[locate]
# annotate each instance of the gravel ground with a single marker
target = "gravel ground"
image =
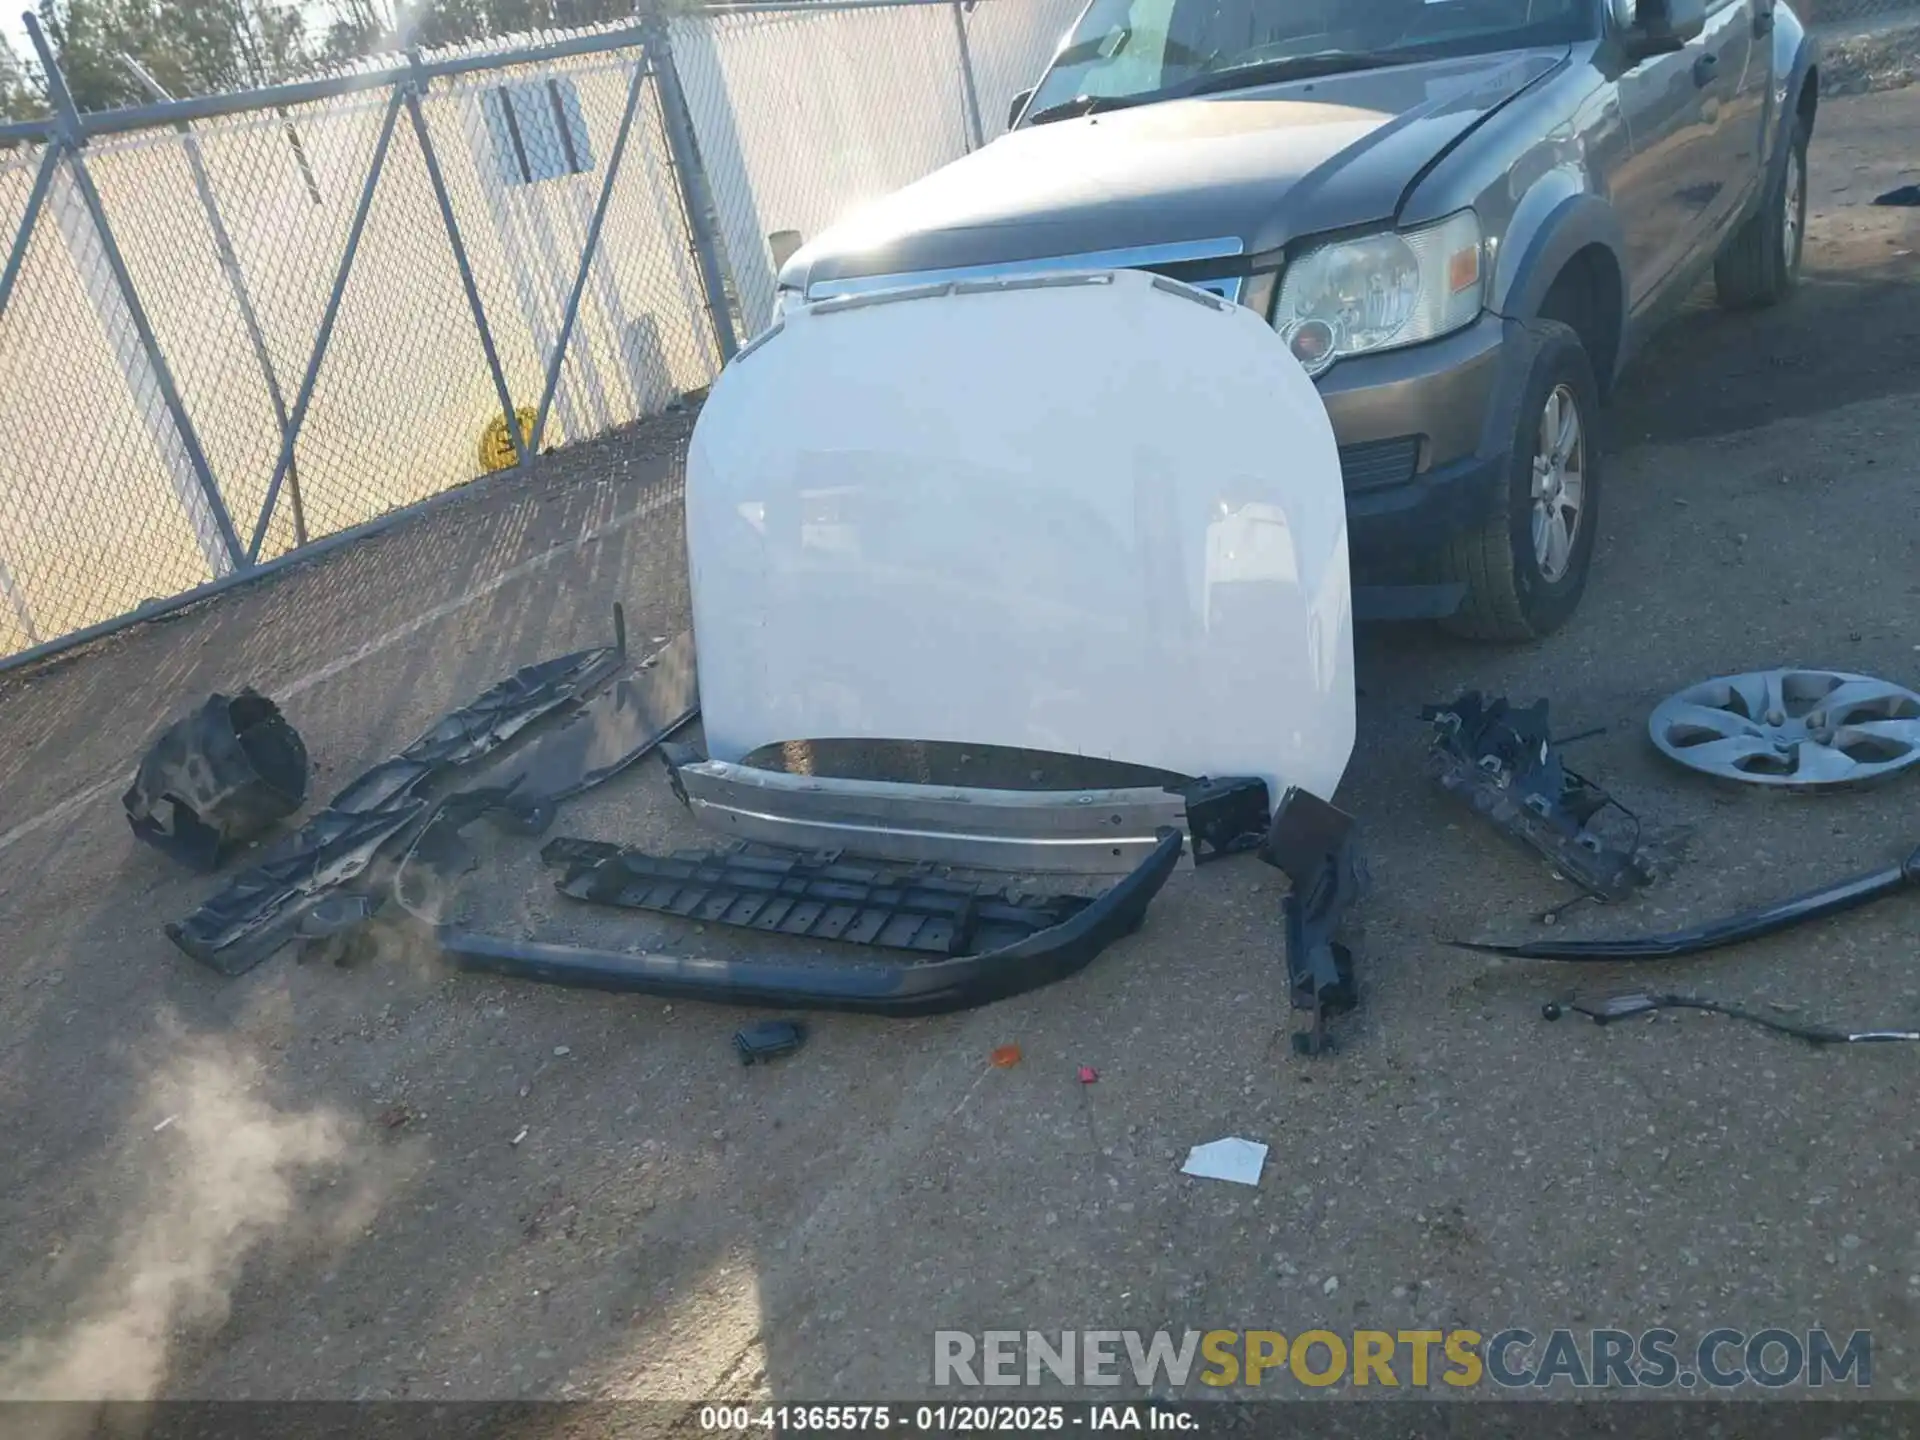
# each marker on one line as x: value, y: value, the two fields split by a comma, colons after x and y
x: 389, y: 1182
x: 1879, y: 57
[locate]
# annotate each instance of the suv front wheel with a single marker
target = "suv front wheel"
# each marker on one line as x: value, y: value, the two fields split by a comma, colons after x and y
x: 1526, y: 567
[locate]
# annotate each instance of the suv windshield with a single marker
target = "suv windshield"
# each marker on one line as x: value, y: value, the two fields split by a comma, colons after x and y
x: 1126, y: 52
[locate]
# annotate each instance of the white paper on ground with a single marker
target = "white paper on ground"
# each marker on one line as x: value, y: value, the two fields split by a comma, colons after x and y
x: 1239, y: 1161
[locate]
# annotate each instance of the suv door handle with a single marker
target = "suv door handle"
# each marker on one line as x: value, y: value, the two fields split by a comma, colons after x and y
x: 1705, y: 69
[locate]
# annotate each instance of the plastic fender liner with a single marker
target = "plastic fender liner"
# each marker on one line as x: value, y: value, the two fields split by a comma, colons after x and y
x: 216, y: 778
x: 934, y: 987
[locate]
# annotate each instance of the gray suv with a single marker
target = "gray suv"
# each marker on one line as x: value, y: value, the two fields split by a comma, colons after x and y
x: 1463, y: 215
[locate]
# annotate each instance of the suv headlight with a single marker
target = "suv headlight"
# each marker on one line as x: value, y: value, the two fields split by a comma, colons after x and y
x: 1380, y: 292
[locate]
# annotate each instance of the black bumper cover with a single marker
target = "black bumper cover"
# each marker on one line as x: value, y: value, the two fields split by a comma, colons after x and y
x: 903, y: 989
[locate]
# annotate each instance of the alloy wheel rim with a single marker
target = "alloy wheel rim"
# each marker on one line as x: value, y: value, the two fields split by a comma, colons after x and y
x: 1793, y: 218
x: 1559, y: 484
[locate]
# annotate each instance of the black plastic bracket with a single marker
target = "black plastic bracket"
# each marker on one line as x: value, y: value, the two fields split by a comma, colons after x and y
x: 676, y: 755
x: 1225, y: 817
x: 1312, y: 843
x: 1500, y: 761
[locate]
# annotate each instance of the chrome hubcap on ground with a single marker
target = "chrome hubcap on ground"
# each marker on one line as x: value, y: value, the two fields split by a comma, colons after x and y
x: 1798, y: 729
x: 1559, y: 484
x: 1794, y: 216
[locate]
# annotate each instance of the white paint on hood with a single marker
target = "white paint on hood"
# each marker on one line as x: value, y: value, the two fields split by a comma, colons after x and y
x: 1095, y: 516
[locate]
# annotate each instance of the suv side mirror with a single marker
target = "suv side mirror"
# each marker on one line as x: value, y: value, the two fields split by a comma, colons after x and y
x: 1019, y: 104
x: 1659, y: 27
x: 781, y: 244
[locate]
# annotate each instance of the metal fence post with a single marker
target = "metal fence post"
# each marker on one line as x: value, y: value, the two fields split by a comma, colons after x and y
x: 684, y: 150
x: 67, y: 120
x: 42, y: 182
x: 522, y: 443
x: 971, y: 94
x: 16, y: 257
x: 328, y: 318
x: 587, y: 254
x: 17, y: 602
x: 236, y: 282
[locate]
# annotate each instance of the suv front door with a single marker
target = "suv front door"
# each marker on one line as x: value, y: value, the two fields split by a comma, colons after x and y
x: 1681, y: 177
x: 1736, y: 98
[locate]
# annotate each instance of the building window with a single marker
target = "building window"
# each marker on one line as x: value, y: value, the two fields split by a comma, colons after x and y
x: 539, y: 131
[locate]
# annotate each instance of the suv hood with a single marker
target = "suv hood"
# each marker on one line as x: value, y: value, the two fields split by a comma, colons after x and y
x: 1261, y: 166
x: 1037, y: 516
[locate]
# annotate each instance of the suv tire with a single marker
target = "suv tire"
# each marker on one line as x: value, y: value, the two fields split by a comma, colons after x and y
x: 1761, y: 264
x: 1524, y: 576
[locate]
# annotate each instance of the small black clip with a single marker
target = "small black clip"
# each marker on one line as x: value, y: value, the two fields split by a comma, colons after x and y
x: 768, y: 1039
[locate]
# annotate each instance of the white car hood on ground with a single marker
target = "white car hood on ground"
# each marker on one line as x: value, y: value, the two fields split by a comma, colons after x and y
x: 1097, y: 515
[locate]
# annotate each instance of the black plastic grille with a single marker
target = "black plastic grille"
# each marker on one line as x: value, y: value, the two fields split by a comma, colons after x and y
x: 1379, y: 464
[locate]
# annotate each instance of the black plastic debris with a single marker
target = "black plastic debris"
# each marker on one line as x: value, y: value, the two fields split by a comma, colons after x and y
x: 528, y: 695
x: 566, y: 853
x: 895, y: 988
x: 1226, y: 817
x: 675, y: 756
x: 1834, y: 899
x: 771, y: 891
x: 611, y: 731
x: 1907, y: 197
x: 768, y: 1040
x: 264, y: 907
x: 1622, y: 1007
x: 1313, y: 844
x: 217, y: 778
x: 426, y: 880
x: 335, y: 930
x: 1498, y: 759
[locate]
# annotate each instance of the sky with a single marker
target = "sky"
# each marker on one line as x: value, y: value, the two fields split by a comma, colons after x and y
x: 11, y: 27
x: 16, y: 33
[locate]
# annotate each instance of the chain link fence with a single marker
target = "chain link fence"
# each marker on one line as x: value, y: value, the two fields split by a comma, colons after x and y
x: 806, y: 113
x: 101, y: 505
x: 242, y: 326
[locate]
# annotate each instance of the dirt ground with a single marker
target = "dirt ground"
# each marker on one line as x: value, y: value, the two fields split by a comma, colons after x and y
x: 392, y: 1182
